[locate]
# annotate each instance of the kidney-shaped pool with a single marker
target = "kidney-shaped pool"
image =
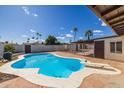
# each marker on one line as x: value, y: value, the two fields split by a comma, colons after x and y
x: 50, y: 65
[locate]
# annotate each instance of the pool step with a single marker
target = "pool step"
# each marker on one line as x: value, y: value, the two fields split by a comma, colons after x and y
x: 102, y: 67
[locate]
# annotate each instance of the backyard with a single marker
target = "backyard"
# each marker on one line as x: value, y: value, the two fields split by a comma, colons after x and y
x: 93, y: 81
x: 85, y: 51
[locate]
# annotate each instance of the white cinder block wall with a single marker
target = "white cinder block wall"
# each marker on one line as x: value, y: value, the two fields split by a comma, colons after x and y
x: 19, y: 48
x: 43, y: 48
x: 1, y: 49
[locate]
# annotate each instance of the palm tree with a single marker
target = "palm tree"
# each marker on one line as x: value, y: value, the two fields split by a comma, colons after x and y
x: 88, y: 34
x: 38, y: 35
x: 28, y: 40
x: 75, y: 29
x: 33, y: 37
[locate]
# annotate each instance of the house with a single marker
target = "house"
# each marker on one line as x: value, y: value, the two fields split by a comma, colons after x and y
x: 83, y: 44
x: 83, y: 47
x: 111, y: 47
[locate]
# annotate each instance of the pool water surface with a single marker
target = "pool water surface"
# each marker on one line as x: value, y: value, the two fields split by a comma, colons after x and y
x: 50, y: 64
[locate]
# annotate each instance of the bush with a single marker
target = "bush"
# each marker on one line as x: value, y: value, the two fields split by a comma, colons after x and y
x: 9, y: 48
x: 7, y: 55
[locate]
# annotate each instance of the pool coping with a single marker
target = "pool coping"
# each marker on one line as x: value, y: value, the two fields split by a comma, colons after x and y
x: 74, y: 80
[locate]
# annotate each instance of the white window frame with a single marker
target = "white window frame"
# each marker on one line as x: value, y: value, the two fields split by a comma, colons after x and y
x: 115, y: 51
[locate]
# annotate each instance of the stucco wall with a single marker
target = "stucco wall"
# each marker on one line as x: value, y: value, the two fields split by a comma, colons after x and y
x: 1, y: 49
x: 113, y: 56
x: 19, y: 48
x: 71, y: 47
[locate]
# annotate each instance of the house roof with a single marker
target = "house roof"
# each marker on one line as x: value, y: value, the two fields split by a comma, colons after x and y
x: 91, y: 41
x: 84, y: 41
x: 112, y: 15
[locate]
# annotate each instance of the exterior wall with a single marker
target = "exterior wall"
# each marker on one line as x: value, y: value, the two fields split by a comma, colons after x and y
x: 113, y: 56
x: 19, y: 48
x: 43, y: 48
x: 89, y: 46
x: 71, y: 47
x: 1, y: 49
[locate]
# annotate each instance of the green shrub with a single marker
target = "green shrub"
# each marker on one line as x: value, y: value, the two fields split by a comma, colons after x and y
x: 9, y: 48
x: 7, y: 55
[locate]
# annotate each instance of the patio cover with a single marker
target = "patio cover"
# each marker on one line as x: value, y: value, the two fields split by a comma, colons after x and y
x: 112, y: 15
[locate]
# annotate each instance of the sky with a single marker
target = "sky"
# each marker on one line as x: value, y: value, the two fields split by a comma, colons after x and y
x: 17, y: 23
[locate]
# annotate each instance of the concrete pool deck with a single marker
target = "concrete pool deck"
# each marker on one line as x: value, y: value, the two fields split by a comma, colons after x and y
x: 82, y: 76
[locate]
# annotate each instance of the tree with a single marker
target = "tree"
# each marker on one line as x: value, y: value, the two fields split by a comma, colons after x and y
x: 75, y: 29
x: 9, y: 48
x: 38, y: 35
x: 88, y: 34
x: 33, y: 37
x: 28, y: 40
x: 51, y: 40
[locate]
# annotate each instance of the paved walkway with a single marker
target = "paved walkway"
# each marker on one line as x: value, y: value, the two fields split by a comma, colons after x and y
x: 92, y: 81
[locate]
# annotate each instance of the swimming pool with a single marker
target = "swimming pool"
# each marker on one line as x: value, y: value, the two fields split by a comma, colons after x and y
x: 50, y: 65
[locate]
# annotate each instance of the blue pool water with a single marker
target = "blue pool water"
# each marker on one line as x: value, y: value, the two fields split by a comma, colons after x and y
x: 50, y: 64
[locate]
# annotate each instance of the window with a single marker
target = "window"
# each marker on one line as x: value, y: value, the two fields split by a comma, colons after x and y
x: 112, y: 47
x: 119, y: 47
x: 84, y: 46
x: 116, y: 47
x: 80, y: 46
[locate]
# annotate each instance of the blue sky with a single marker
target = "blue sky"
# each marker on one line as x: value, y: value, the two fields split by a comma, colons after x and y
x: 17, y: 23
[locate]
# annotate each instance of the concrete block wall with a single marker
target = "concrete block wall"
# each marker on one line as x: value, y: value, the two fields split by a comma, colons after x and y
x: 1, y: 49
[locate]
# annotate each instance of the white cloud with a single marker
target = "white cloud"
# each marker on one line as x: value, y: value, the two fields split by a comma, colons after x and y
x: 103, y: 24
x: 42, y: 40
x: 68, y: 35
x: 34, y: 14
x: 64, y: 36
x: 26, y: 10
x: 33, y: 31
x: 60, y: 37
x: 25, y: 36
x: 71, y: 31
x: 97, y: 31
x: 80, y: 37
x: 99, y: 19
